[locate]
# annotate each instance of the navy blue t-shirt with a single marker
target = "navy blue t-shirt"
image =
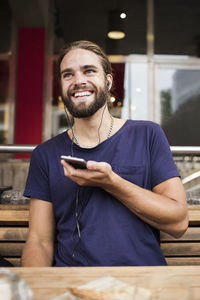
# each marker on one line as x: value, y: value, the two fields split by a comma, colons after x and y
x: 111, y: 235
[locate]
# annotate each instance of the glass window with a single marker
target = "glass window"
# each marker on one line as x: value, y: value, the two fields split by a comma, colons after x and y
x: 135, y: 104
x: 179, y: 91
x: 4, y: 79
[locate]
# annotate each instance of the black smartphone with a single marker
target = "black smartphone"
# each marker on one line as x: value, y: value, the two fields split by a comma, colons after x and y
x: 77, y: 163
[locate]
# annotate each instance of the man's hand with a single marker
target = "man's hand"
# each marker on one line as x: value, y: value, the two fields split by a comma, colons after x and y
x: 97, y: 173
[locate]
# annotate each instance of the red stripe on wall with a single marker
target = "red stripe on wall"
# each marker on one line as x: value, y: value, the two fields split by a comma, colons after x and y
x: 30, y: 80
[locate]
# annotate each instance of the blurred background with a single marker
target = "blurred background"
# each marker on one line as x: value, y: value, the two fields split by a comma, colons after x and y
x: 155, y: 55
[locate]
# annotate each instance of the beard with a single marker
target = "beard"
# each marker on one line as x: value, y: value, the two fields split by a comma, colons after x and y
x: 83, y: 111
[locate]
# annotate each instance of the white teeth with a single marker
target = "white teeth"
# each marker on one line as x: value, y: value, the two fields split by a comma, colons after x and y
x: 81, y: 94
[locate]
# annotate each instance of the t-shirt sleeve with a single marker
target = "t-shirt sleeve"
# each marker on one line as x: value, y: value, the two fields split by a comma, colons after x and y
x: 162, y: 163
x: 37, y: 184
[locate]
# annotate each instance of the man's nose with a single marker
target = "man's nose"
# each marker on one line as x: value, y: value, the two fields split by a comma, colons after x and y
x: 79, y: 78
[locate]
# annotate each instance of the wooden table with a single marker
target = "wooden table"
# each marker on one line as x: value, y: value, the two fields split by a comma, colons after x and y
x: 47, y: 283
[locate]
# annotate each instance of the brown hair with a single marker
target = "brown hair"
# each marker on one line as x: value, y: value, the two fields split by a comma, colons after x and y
x: 86, y: 45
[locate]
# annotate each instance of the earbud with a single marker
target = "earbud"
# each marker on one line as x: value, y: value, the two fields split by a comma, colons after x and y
x: 108, y: 84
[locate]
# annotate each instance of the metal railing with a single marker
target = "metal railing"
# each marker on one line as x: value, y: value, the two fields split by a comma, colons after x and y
x: 176, y: 150
x: 185, y: 150
x: 17, y: 148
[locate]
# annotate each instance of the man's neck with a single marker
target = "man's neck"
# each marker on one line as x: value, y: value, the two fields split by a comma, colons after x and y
x: 89, y: 132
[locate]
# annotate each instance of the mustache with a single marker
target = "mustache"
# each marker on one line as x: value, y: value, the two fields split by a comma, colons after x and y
x: 82, y: 87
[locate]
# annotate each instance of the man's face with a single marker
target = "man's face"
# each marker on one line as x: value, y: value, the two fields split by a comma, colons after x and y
x: 84, y: 85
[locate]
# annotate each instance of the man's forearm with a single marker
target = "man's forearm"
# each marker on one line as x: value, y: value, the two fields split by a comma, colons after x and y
x: 158, y: 210
x: 36, y: 255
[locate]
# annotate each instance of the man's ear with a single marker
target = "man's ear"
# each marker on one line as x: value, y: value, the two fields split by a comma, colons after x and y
x: 109, y: 81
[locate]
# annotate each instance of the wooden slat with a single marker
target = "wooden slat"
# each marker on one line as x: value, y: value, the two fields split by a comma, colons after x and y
x: 182, y: 261
x: 192, y: 234
x: 13, y: 233
x: 181, y: 249
x: 14, y: 206
x: 12, y: 217
x: 194, y: 214
x: 19, y: 213
x: 11, y: 249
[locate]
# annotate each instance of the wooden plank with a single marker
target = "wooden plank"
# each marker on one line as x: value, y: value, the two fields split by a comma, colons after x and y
x: 19, y: 213
x: 13, y: 233
x: 193, y: 207
x: 11, y: 217
x: 11, y: 249
x: 183, y: 261
x: 192, y: 234
x: 181, y: 249
x: 194, y: 214
x: 14, y: 206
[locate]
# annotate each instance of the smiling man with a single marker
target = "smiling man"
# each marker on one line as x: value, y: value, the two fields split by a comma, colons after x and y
x: 90, y: 93
x: 111, y: 212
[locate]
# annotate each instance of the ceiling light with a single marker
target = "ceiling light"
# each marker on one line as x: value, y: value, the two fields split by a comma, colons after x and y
x: 116, y: 35
x: 123, y: 16
x: 116, y: 25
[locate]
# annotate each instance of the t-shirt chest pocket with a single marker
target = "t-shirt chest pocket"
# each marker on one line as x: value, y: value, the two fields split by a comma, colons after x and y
x: 132, y: 173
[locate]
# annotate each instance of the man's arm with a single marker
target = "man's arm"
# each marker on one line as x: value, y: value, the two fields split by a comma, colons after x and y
x: 39, y: 247
x: 164, y: 208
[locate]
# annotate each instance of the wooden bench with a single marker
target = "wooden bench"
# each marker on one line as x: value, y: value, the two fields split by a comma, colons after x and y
x: 14, y: 229
x: 185, y: 250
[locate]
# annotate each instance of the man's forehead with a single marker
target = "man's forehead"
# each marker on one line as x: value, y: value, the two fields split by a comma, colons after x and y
x: 81, y: 57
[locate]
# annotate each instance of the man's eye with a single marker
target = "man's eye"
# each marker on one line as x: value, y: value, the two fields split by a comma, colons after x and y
x: 90, y: 71
x: 67, y: 75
